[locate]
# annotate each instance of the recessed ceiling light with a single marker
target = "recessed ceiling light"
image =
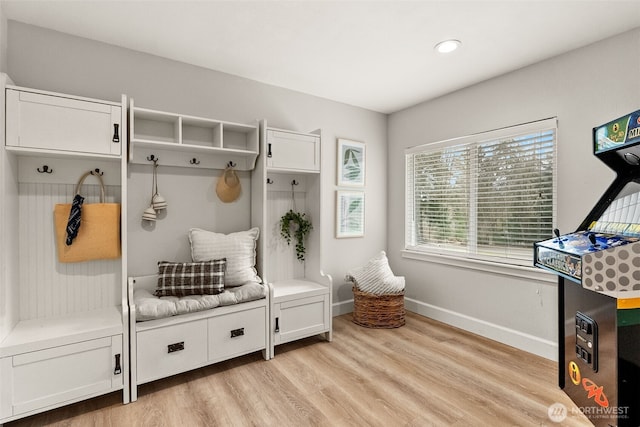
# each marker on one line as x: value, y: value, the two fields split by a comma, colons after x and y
x: 447, y: 46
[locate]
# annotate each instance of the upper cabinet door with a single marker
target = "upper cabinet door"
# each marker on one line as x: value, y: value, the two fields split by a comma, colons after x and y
x: 293, y: 151
x: 50, y: 122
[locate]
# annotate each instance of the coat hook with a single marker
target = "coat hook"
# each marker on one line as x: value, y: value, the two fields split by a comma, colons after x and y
x: 269, y: 181
x: 194, y: 161
x: 45, y: 169
x: 152, y: 158
x: 294, y: 182
x: 96, y: 171
x: 231, y: 165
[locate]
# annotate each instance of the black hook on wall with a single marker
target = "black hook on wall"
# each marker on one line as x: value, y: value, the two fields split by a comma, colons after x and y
x: 294, y: 182
x: 152, y: 158
x: 269, y: 181
x: 45, y: 169
x: 194, y: 161
x: 231, y: 165
x: 97, y: 171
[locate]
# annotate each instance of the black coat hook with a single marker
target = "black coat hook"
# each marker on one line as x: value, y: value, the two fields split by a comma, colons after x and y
x: 194, y: 161
x: 96, y: 171
x: 231, y: 165
x: 269, y: 181
x: 45, y: 169
x: 294, y: 182
x: 152, y: 158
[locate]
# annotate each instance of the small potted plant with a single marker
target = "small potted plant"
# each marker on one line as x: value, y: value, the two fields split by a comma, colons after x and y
x: 297, y: 223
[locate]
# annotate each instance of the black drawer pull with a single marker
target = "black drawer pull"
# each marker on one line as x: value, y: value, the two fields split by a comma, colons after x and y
x: 118, y: 369
x: 116, y: 132
x: 237, y: 332
x: 269, y: 150
x: 175, y: 347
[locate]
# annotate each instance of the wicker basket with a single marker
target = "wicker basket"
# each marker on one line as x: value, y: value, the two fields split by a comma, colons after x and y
x: 378, y: 311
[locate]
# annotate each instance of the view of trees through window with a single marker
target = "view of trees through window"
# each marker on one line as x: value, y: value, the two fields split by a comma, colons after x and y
x: 490, y: 197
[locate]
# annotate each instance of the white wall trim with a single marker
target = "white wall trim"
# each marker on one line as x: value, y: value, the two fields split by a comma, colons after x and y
x: 520, y: 340
x: 342, y: 307
x: 526, y: 342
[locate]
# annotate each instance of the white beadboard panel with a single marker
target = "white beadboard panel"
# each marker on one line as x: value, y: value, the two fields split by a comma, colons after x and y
x: 49, y: 288
x: 283, y: 263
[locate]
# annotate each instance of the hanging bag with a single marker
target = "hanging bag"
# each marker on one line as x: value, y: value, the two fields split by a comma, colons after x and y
x: 88, y: 231
x: 228, y: 187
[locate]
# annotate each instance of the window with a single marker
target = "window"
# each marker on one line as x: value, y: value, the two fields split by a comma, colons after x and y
x: 486, y: 196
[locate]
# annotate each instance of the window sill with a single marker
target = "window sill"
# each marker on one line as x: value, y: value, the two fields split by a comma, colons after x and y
x: 521, y: 272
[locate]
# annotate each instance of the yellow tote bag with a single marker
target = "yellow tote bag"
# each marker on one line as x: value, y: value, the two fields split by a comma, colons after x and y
x: 99, y: 233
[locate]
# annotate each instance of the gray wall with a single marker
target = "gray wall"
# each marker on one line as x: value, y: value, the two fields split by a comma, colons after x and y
x: 54, y: 61
x: 3, y: 40
x: 582, y: 88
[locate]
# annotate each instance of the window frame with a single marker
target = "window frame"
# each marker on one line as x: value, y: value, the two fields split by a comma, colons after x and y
x: 416, y: 251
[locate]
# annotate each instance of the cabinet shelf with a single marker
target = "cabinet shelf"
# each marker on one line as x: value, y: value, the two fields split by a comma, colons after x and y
x: 190, y: 140
x: 63, y: 154
x: 38, y: 334
x: 285, y: 290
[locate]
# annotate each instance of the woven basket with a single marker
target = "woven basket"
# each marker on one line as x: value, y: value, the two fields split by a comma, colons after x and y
x: 378, y: 311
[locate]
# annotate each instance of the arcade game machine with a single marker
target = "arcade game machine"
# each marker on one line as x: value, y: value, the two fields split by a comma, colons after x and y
x: 598, y: 270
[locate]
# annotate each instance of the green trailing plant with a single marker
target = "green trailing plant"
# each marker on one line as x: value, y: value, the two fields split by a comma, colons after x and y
x: 301, y: 227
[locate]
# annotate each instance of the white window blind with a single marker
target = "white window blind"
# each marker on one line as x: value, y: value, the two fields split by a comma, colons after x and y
x: 487, y: 196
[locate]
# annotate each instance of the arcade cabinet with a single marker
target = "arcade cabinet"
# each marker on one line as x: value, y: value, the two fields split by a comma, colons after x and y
x: 598, y: 270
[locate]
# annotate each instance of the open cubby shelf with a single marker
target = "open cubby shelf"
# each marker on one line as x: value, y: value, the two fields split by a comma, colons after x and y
x: 193, y: 141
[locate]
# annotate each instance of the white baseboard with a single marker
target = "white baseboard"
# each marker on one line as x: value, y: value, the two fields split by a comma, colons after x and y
x: 532, y: 344
x: 517, y: 339
x: 342, y: 307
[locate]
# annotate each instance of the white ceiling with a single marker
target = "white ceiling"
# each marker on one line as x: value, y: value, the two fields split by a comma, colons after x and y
x: 373, y: 54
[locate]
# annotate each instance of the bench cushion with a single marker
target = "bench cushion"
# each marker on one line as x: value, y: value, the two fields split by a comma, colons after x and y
x: 149, y: 307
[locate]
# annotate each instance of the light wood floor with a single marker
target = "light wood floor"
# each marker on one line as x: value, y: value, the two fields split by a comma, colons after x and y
x: 423, y: 374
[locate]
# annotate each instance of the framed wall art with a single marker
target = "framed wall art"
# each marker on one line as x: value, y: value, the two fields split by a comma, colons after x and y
x: 349, y: 214
x: 351, y: 163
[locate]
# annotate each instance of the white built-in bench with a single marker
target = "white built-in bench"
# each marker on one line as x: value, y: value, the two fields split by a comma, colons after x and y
x: 170, y: 345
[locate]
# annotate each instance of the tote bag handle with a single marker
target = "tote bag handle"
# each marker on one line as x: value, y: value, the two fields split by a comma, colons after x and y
x: 84, y: 176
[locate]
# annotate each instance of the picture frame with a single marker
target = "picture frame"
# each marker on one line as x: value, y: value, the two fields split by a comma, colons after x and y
x: 351, y: 163
x: 350, y: 209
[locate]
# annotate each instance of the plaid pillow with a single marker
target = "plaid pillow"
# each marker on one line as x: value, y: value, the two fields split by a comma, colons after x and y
x: 180, y: 279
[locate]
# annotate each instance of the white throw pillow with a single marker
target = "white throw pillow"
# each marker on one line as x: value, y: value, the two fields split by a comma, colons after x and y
x: 238, y: 248
x: 377, y: 278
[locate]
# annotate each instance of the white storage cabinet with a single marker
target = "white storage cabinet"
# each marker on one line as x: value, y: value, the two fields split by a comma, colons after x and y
x: 292, y: 151
x: 62, y: 326
x: 33, y: 381
x: 186, y: 342
x: 289, y: 176
x: 47, y: 121
x: 169, y: 346
x: 301, y: 308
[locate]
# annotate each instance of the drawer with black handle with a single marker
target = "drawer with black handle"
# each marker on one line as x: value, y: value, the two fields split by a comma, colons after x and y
x: 238, y: 333
x: 171, y: 349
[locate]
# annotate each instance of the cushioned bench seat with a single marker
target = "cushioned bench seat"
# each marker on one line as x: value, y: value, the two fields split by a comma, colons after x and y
x: 149, y: 306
